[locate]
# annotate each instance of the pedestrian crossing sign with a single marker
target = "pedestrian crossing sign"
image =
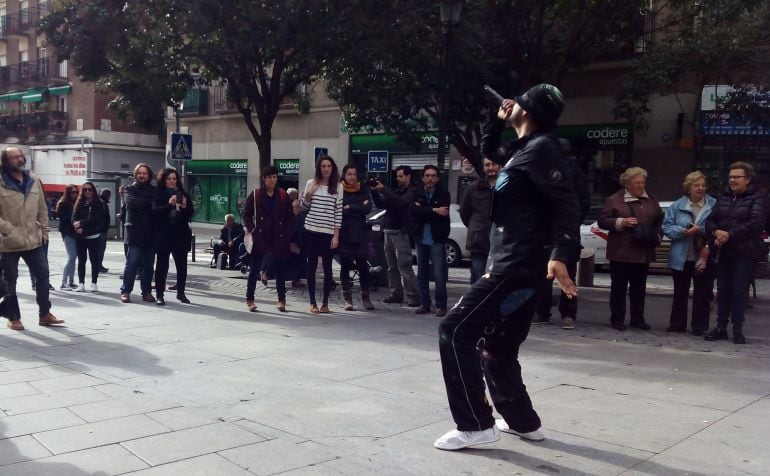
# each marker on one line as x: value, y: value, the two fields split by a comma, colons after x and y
x: 181, y: 146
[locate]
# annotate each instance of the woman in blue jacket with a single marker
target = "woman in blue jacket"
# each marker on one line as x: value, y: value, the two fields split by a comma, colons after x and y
x: 685, y: 225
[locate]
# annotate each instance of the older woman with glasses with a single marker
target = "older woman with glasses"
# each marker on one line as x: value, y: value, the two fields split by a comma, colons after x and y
x: 685, y: 225
x: 88, y: 220
x: 734, y: 229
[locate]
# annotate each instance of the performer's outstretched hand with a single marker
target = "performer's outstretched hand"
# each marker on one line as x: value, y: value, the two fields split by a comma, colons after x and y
x: 558, y: 270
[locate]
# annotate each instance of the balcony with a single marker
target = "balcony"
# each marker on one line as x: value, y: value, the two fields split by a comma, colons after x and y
x: 196, y: 102
x: 222, y: 103
x: 22, y: 22
x: 40, y: 72
x: 34, y: 125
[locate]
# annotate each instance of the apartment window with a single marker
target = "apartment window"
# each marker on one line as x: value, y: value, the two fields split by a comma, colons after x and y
x: 63, y: 103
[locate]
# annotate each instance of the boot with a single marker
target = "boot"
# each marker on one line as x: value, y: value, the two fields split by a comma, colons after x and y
x: 366, y: 301
x: 347, y: 296
x: 718, y: 333
x: 738, y: 337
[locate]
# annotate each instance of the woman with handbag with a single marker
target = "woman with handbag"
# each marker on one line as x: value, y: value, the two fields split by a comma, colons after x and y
x: 633, y: 218
x: 685, y: 225
x: 88, y: 217
x: 173, y: 210
x: 354, y: 239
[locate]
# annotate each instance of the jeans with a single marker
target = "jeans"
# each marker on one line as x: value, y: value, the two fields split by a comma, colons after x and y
x: 398, y: 256
x: 136, y: 255
x: 161, y: 270
x: 37, y: 262
x: 436, y: 254
x: 478, y: 266
x: 631, y: 276
x: 91, y: 247
x: 703, y: 293
x: 102, y: 248
x: 480, y: 337
x: 733, y: 277
x: 255, y: 268
x: 70, y: 245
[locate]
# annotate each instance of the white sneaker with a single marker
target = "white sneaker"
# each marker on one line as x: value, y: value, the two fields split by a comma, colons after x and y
x: 567, y: 323
x: 536, y: 435
x: 80, y: 288
x: 455, y: 440
x: 94, y: 289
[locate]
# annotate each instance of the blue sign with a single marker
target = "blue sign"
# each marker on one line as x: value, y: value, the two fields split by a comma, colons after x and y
x: 722, y: 124
x: 378, y: 161
x: 181, y: 146
x: 319, y: 151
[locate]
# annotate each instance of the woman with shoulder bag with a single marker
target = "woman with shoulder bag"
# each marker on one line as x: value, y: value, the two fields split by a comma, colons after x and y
x: 88, y: 220
x: 173, y: 210
x: 633, y: 218
x: 685, y: 225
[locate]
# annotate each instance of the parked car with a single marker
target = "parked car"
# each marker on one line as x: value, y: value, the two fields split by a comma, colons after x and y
x: 455, y: 246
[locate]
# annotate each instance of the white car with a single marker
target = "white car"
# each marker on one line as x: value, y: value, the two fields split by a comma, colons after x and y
x: 595, y: 238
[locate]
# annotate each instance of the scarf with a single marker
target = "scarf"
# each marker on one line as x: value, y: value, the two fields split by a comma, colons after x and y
x: 351, y: 188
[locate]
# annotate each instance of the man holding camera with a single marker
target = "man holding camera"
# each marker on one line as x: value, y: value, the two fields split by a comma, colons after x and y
x: 397, y: 226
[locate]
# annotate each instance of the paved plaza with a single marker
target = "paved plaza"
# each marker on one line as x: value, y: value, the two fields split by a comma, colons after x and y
x: 211, y: 389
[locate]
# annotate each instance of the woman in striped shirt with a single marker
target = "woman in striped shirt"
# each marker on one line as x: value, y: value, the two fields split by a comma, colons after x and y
x: 323, y: 202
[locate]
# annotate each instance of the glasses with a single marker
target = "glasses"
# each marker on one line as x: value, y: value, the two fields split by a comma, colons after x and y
x: 736, y: 177
x: 88, y: 190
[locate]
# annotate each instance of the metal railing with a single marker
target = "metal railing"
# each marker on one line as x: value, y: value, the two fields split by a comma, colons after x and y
x: 39, y: 72
x: 37, y: 124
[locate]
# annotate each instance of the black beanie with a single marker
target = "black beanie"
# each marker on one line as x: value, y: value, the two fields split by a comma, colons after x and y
x: 544, y: 103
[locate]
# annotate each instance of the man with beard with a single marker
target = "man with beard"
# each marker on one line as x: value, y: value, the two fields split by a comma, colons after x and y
x: 23, y: 234
x: 139, y: 234
x: 474, y: 212
x: 535, y: 230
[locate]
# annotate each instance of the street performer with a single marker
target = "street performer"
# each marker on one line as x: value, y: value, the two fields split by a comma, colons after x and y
x: 535, y: 230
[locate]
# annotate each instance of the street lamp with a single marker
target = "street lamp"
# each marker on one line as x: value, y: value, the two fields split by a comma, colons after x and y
x: 450, y: 16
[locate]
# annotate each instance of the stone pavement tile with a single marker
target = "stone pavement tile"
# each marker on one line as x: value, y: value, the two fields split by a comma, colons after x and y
x: 191, y: 330
x: 22, y: 362
x: 46, y: 401
x: 249, y: 345
x: 110, y: 409
x: 609, y: 416
x: 181, y: 418
x: 278, y: 456
x: 191, y: 442
x: 64, y: 383
x: 115, y: 390
x: 422, y: 382
x: 339, y: 410
x: 23, y: 448
x: 23, y: 375
x: 206, y: 465
x: 102, y: 461
x: 735, y: 444
x: 16, y: 389
x: 101, y: 433
x: 342, y: 467
x: 36, y: 422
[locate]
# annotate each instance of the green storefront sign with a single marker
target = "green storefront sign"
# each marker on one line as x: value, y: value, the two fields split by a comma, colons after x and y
x: 361, y: 144
x: 592, y: 136
x: 287, y: 168
x: 217, y: 167
x: 217, y: 187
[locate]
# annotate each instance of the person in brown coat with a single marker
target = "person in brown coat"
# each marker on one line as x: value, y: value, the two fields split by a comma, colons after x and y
x: 633, y: 218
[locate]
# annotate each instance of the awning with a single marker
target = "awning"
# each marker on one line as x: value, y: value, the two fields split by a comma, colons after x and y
x: 12, y: 96
x: 34, y: 95
x: 60, y: 90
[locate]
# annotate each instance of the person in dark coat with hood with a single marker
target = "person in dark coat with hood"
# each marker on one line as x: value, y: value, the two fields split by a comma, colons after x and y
x: 173, y: 210
x: 354, y: 239
x: 734, y: 229
x: 269, y: 218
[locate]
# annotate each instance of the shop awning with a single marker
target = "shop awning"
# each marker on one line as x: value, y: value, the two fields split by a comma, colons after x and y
x: 16, y: 96
x: 60, y: 90
x: 34, y: 95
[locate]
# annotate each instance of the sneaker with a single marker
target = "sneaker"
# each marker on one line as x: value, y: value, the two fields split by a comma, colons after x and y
x: 72, y: 286
x: 567, y: 323
x: 65, y: 287
x: 536, y: 435
x: 81, y: 288
x: 456, y: 440
x: 94, y: 288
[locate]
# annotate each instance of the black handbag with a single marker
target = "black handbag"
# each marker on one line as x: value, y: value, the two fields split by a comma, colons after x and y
x: 644, y: 234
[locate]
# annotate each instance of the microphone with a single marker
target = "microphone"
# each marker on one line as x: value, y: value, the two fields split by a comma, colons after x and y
x: 494, y: 94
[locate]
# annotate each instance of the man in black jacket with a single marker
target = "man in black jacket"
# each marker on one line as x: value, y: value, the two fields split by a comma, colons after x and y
x: 397, y: 227
x: 474, y: 212
x: 535, y: 230
x: 431, y: 212
x: 230, y: 239
x: 139, y: 234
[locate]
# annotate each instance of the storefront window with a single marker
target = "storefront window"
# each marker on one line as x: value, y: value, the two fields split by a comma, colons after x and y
x: 217, y: 187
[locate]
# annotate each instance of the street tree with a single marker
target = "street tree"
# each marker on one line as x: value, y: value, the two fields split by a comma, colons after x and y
x: 150, y: 52
x: 392, y: 79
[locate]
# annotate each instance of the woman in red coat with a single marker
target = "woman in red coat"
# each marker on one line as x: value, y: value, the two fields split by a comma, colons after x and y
x: 269, y: 218
x: 633, y: 218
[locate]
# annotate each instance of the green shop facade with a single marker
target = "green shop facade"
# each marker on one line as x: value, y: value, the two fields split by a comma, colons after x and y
x: 216, y: 188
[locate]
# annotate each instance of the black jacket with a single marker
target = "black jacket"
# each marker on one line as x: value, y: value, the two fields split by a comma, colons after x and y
x: 354, y: 228
x: 535, y: 213
x: 397, y: 203
x: 139, y: 218
x: 91, y: 216
x: 236, y: 233
x: 172, y: 230
x: 422, y: 211
x: 64, y: 211
x: 475, y: 214
x: 743, y: 216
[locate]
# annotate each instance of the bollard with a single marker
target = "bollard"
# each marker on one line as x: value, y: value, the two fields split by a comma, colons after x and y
x: 585, y: 272
x: 192, y: 246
